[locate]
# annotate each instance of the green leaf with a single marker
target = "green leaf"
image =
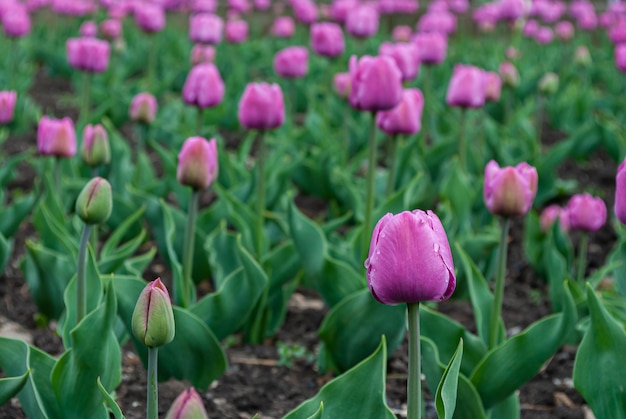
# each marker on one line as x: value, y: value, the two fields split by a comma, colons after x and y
x: 319, y: 414
x: 445, y: 398
x: 600, y: 366
x: 10, y: 386
x: 346, y: 342
x: 12, y: 216
x: 177, y: 268
x: 6, y: 246
x: 112, y: 256
x: 110, y: 401
x: 338, y: 280
x: 358, y: 393
x: 309, y: 240
x: 221, y: 248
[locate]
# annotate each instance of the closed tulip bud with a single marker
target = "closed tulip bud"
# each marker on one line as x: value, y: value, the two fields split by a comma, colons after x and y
x: 410, y: 259
x: 376, y: 83
x: 550, y: 215
x: 7, y: 106
x: 586, y: 213
x: 202, y: 54
x: 406, y: 117
x: 512, y: 53
x: 95, y: 146
x: 362, y: 22
x: 204, y: 87
x: 402, y: 33
x: 143, y: 108
x: 292, y: 62
x: 94, y: 203
x: 262, y: 106
x: 549, y: 83
x: 620, y: 57
x: 150, y: 17
x: 88, y: 29
x: 405, y: 56
x: 111, y: 29
x: 188, y: 405
x: 202, y: 6
x: 16, y: 21
x: 467, y: 88
x: 431, y: 47
x: 437, y: 21
x: 305, y: 11
x: 582, y: 56
x: 206, y: 28
x: 56, y: 137
x: 620, y: 193
x: 544, y: 35
x: 239, y: 6
x: 236, y: 31
x: 509, y: 191
x: 327, y: 39
x: 339, y: 9
x: 509, y: 74
x: 197, y: 163
x: 342, y: 84
x: 564, y: 30
x: 88, y: 54
x: 283, y: 27
x: 153, y: 317
x: 494, y: 86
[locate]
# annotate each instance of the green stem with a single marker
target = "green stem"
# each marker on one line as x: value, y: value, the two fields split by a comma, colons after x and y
x: 152, y: 61
x: 414, y: 388
x: 391, y: 178
x: 57, y: 172
x: 81, y: 280
x: 85, y: 103
x: 188, y: 249
x: 582, y: 258
x: 346, y: 133
x: 260, y: 201
x: 369, y: 191
x: 499, y: 288
x: 199, y: 116
x: 462, y: 146
x: 152, y: 404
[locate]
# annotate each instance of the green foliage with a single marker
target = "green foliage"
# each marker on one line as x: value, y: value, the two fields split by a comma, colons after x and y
x: 446, y: 395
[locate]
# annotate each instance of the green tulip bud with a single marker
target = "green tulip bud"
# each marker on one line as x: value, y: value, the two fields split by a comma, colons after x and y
x: 95, y: 149
x: 94, y: 203
x: 153, y: 318
x: 549, y: 83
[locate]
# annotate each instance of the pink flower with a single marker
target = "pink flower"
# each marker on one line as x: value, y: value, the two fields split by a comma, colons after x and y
x: 203, y: 6
x: 494, y: 86
x: 431, y: 47
x: 88, y: 54
x: 143, y: 108
x: 89, y: 29
x: 508, y: 73
x: 342, y: 84
x: 56, y: 137
x: 111, y: 29
x: 406, y: 117
x: 441, y: 21
x: 292, y: 62
x: 153, y: 318
x: 376, y: 83
x: 564, y: 30
x: 188, y: 405
x: 16, y: 21
x: 402, y: 33
x: 509, y: 191
x: 236, y: 31
x: 586, y: 213
x: 197, y: 163
x: 406, y: 57
x: 620, y: 193
x: 410, y: 259
x: 204, y: 87
x: 150, y: 17
x: 467, y: 88
x: 7, y: 106
x: 327, y: 39
x: 550, y: 215
x: 340, y: 8
x: 201, y: 53
x: 262, y: 106
x: 305, y: 11
x: 206, y: 28
x: 362, y: 22
x: 283, y: 27
x: 620, y: 57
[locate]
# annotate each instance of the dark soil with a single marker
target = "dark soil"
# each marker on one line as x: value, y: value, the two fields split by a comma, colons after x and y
x: 257, y: 382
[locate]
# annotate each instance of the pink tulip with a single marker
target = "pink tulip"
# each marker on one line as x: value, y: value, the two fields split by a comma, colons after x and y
x: 56, y: 137
x: 582, y: 56
x: 550, y: 215
x: 410, y: 259
x: 203, y: 6
x: 283, y: 27
x: 617, y: 32
x: 406, y: 57
x: 143, y: 108
x: 188, y: 405
x: 88, y: 54
x: 564, y: 30
x: 406, y: 117
x: 509, y: 191
x: 150, y: 17
x: 620, y: 193
x: 467, y: 87
x: 7, y: 106
x: 544, y: 35
x: 402, y: 33
x: 494, y: 86
x: 153, y: 318
x: 197, y: 163
x: 89, y: 29
x: 201, y: 53
x: 236, y: 31
x: 327, y: 39
x: 376, y: 83
x: 340, y: 8
x: 305, y: 11
x: 292, y: 62
x: 531, y: 28
x: 441, y: 22
x: 508, y: 73
x: 431, y: 47
x: 204, y: 87
x: 95, y: 148
x: 239, y: 6
x: 586, y: 213
x: 262, y: 4
x: 342, y: 84
x: 620, y: 57
x: 206, y: 28
x: 511, y: 10
x: 362, y: 22
x: 262, y: 106
x: 111, y: 29
x: 16, y: 21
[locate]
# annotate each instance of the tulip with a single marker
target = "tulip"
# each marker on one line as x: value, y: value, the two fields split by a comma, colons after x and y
x: 111, y: 29
x: 620, y: 193
x: 586, y: 213
x: 150, y: 17
x: 582, y: 56
x: 512, y: 53
x: 406, y: 117
x: 283, y: 27
x: 197, y: 163
x: 544, y: 35
x: 292, y: 62
x: 204, y: 87
x: 620, y: 57
x: 56, y: 137
x: 153, y: 318
x: 362, y: 22
x: 143, y: 108
x: 467, y: 87
x: 261, y: 106
x: 339, y: 9
x: 442, y: 22
x: 7, y: 106
x: 203, y: 6
x: 305, y: 11
x: 509, y: 191
x: 89, y: 29
x: 16, y: 21
x: 238, y: 6
x: 511, y: 10
x: 206, y: 28
x: 402, y: 33
x: 94, y: 203
x: 202, y: 54
x: 188, y: 405
x: 406, y: 57
x: 376, y: 83
x: 88, y: 54
x: 494, y: 86
x: 327, y: 39
x: 342, y: 84
x: 549, y: 216
x: 95, y: 147
x: 236, y: 31
x: 262, y: 4
x: 549, y: 83
x: 431, y: 47
x: 508, y: 73
x: 531, y: 28
x: 564, y: 30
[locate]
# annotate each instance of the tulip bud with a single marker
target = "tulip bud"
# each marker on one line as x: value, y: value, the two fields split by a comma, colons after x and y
x: 586, y: 213
x: 292, y: 62
x: 188, y: 405
x: 549, y: 83
x: 342, y: 84
x: 362, y: 21
x: 376, y: 83
x: 262, y: 106
x: 206, y: 28
x: 512, y: 53
x: 56, y: 137
x: 493, y: 87
x: 7, y: 106
x: 509, y: 74
x: 204, y: 87
x: 95, y: 147
x: 509, y: 191
x: 283, y: 27
x: 94, y: 203
x: 467, y: 88
x: 406, y: 118
x: 564, y: 30
x: 150, y: 17
x: 410, y: 259
x: 88, y: 29
x: 431, y: 47
x: 620, y: 193
x: 153, y: 317
x: 550, y: 215
x: 88, y: 54
x: 327, y: 39
x: 406, y: 57
x: 111, y: 29
x: 582, y: 56
x: 143, y: 108
x: 202, y: 54
x: 197, y: 163
x: 16, y: 21
x: 402, y: 33
x: 236, y: 31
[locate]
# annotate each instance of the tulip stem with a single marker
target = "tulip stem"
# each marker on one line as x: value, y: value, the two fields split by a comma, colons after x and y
x: 462, y: 146
x: 86, y: 98
x: 369, y: 191
x: 152, y: 61
x: 81, y: 280
x: 152, y: 404
x: 199, y: 121
x: 188, y: 249
x: 414, y: 388
x: 260, y: 201
x: 582, y: 257
x: 499, y: 287
x: 57, y: 172
x: 391, y: 178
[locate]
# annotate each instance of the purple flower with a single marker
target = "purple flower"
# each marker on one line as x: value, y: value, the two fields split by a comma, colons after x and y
x: 509, y: 191
x: 262, y: 106
x: 292, y: 62
x: 586, y: 213
x: 206, y: 28
x: 204, y: 87
x: 620, y: 193
x: 188, y: 405
x: 143, y: 108
x: 7, y: 106
x: 327, y: 39
x: 406, y: 118
x: 88, y: 54
x: 467, y: 88
x: 56, y: 137
x: 376, y: 83
x: 197, y: 163
x: 236, y: 31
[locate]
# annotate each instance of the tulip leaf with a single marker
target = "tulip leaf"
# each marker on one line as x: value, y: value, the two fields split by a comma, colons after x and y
x: 345, y: 342
x: 12, y: 216
x: 338, y: 280
x: 446, y: 395
x: 309, y: 240
x: 112, y: 256
x: 221, y: 248
x: 319, y: 413
x: 241, y: 217
x: 6, y: 246
x: 601, y: 354
x: 177, y: 269
x: 137, y: 265
x: 110, y: 401
x: 10, y: 386
x: 513, y: 363
x: 358, y: 393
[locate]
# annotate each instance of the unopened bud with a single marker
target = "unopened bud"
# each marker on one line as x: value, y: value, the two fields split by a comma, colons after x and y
x: 94, y: 203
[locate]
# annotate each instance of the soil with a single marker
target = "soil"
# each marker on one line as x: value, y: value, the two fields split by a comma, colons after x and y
x: 256, y: 380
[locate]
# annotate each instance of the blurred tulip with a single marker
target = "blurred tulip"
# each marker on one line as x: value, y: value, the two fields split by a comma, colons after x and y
x: 150, y: 17
x: 236, y: 31
x: 153, y: 317
x: 564, y: 30
x: 406, y: 57
x: 582, y: 56
x: 340, y: 8
x: 431, y: 47
x: 203, y: 87
x: 409, y: 259
x: 262, y: 4
x: 531, y: 28
x: 143, y: 108
x: 261, y: 106
x: 88, y: 29
x: 341, y: 83
x: 376, y: 83
x: 239, y: 6
x: 201, y: 53
x: 188, y: 405
x: 442, y: 22
x: 362, y: 22
x: 508, y: 73
x: 406, y: 117
x: 197, y: 163
x: 56, y: 137
x: 549, y: 83
x: 16, y: 21
x: 292, y: 62
x: 512, y: 53
x: 511, y: 10
x: 402, y: 33
x: 7, y: 106
x: 205, y: 28
x: 95, y: 148
x: 550, y: 215
x: 620, y: 57
x: 95, y: 202
x: 305, y: 11
x: 544, y: 35
x: 620, y: 193
x: 493, y: 86
x: 509, y: 191
x: 586, y: 213
x: 203, y: 6
x: 467, y: 88
x: 88, y: 54
x: 283, y: 27
x: 327, y: 39
x: 111, y: 29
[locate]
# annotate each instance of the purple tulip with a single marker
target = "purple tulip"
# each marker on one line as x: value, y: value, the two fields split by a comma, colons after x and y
x: 493, y: 86
x: 305, y: 11
x: 620, y: 57
x: 509, y: 74
x: 376, y: 83
x: 88, y: 54
x: 586, y: 213
x: 239, y: 6
x: 236, y: 31
x: 7, y: 106
x: 620, y: 193
x: 201, y: 53
x: 402, y: 33
x: 56, y: 137
x: 340, y: 8
x: 406, y: 57
x: 511, y: 10
x: 564, y: 30
x: 111, y: 29
x: 150, y: 17
x: 440, y: 22
x: 292, y: 62
x: 283, y: 27
x: 203, y: 6
x: 204, y: 87
x: 262, y: 4
x: 143, y: 108
x: 327, y: 39
x: 550, y: 215
x: 197, y: 163
x: 188, y: 405
x: 467, y: 87
x: 362, y: 22
x: 509, y: 191
x: 88, y: 29
x: 206, y: 28
x: 544, y: 35
x: 15, y: 21
x: 342, y: 84
x: 410, y: 259
x: 406, y: 117
x: 95, y: 148
x: 262, y: 106
x: 431, y: 47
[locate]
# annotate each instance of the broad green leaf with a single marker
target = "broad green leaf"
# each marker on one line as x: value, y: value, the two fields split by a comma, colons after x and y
x: 177, y: 268
x: 446, y: 395
x: 110, y: 401
x: 346, y: 342
x: 338, y: 280
x: 309, y: 240
x: 508, y: 408
x: 221, y: 250
x: 282, y: 268
x: 112, y: 256
x: 319, y: 414
x: 241, y: 217
x: 10, y: 386
x: 600, y: 366
x: 137, y: 265
x: 358, y: 393
x: 12, y: 216
x: 6, y: 246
